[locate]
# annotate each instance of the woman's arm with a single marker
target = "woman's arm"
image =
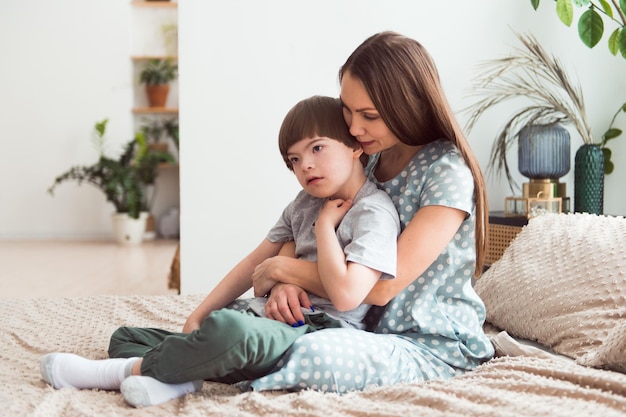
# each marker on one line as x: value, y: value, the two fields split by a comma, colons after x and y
x: 233, y: 285
x: 419, y: 245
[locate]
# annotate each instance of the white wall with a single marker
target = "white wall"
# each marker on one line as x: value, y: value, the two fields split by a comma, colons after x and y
x: 65, y: 65
x: 244, y: 63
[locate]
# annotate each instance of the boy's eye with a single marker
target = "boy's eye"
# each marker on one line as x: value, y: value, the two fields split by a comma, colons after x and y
x: 293, y: 160
x: 317, y: 148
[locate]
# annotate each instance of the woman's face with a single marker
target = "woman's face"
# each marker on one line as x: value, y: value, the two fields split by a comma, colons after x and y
x: 362, y: 117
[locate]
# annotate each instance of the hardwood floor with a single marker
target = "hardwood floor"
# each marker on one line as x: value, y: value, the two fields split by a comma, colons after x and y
x: 43, y: 269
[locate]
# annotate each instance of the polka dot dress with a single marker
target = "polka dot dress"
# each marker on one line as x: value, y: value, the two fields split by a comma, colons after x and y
x: 432, y: 329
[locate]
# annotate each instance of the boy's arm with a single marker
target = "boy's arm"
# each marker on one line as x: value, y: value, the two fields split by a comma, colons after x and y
x: 233, y: 285
x: 346, y: 283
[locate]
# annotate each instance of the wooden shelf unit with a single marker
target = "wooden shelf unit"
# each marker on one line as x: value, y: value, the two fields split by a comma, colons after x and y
x: 164, y: 4
x: 150, y: 110
x: 148, y: 57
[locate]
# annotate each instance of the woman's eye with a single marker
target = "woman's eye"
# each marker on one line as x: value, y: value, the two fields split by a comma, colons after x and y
x: 368, y: 116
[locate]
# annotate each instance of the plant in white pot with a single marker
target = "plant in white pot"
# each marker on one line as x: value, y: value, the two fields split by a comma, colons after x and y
x: 533, y: 75
x: 123, y: 181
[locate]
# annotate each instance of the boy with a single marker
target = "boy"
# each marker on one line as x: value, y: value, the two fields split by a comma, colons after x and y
x: 339, y: 219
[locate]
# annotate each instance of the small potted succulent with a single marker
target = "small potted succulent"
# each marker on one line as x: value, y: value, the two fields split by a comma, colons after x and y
x: 157, y: 74
x: 158, y: 131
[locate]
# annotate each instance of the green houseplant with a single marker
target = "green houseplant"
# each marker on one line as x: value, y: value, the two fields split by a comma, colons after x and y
x: 123, y: 180
x: 159, y: 130
x: 591, y: 22
x: 156, y: 74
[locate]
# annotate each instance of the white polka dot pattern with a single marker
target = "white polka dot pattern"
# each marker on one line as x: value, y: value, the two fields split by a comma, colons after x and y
x: 439, y: 315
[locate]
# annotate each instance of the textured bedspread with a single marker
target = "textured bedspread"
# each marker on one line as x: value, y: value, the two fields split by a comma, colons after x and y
x: 506, y: 386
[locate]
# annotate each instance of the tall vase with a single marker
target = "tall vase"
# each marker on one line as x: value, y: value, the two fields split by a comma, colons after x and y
x: 589, y: 180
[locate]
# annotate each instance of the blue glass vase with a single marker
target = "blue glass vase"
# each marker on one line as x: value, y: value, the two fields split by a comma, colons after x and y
x: 543, y: 152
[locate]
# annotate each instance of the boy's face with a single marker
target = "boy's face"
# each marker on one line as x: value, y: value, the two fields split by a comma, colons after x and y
x: 324, y: 167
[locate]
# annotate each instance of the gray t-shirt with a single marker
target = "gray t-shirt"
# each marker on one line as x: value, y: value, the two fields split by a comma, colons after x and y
x: 368, y: 235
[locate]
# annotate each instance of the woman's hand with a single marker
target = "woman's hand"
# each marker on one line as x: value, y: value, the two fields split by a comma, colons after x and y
x: 262, y: 277
x: 285, y: 302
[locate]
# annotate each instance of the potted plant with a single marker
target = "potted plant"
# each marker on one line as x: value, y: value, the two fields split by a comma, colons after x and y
x: 156, y: 74
x: 123, y: 181
x: 157, y: 131
x: 172, y: 130
x: 534, y: 75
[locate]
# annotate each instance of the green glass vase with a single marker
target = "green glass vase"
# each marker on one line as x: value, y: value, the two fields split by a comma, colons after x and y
x: 589, y: 180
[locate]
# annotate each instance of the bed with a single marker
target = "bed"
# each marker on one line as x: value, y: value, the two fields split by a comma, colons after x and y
x: 556, y: 314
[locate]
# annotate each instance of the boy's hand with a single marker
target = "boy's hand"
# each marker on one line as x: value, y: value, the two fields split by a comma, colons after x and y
x: 332, y: 212
x: 285, y: 302
x: 192, y: 323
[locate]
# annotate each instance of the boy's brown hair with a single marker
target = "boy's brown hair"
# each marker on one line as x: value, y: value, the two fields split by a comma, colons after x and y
x: 314, y: 116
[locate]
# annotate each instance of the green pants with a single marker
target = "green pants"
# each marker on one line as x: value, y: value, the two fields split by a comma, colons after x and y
x: 230, y: 346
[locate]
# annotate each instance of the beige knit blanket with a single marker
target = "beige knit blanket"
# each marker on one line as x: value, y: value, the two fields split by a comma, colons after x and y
x: 530, y: 384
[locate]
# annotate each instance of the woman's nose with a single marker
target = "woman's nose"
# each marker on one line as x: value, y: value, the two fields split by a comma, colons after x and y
x: 356, y: 129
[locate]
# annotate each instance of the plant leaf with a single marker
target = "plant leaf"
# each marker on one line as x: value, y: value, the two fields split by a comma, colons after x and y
x: 611, y: 134
x: 621, y: 40
x: 622, y: 5
x: 614, y: 42
x: 590, y: 28
x: 101, y: 127
x: 534, y: 3
x: 609, y: 166
x: 565, y: 11
x: 607, y: 8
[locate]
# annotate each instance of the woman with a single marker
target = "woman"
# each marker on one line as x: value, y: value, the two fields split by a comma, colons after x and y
x: 431, y: 323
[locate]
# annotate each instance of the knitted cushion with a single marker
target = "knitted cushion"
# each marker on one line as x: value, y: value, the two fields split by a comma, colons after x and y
x: 562, y: 283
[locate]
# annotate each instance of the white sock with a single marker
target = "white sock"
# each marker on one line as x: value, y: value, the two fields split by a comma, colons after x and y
x: 142, y: 391
x: 68, y: 370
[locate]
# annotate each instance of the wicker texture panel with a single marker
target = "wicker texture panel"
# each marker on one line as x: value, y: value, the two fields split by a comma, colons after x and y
x: 500, y: 236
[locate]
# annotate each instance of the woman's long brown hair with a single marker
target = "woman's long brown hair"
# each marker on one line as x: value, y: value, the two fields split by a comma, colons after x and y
x: 402, y: 80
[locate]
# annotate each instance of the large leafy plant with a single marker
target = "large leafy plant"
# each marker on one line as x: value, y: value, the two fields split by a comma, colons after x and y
x: 123, y: 180
x: 591, y: 22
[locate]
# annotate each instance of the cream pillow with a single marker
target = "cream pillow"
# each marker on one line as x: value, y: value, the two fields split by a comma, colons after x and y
x: 562, y: 283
